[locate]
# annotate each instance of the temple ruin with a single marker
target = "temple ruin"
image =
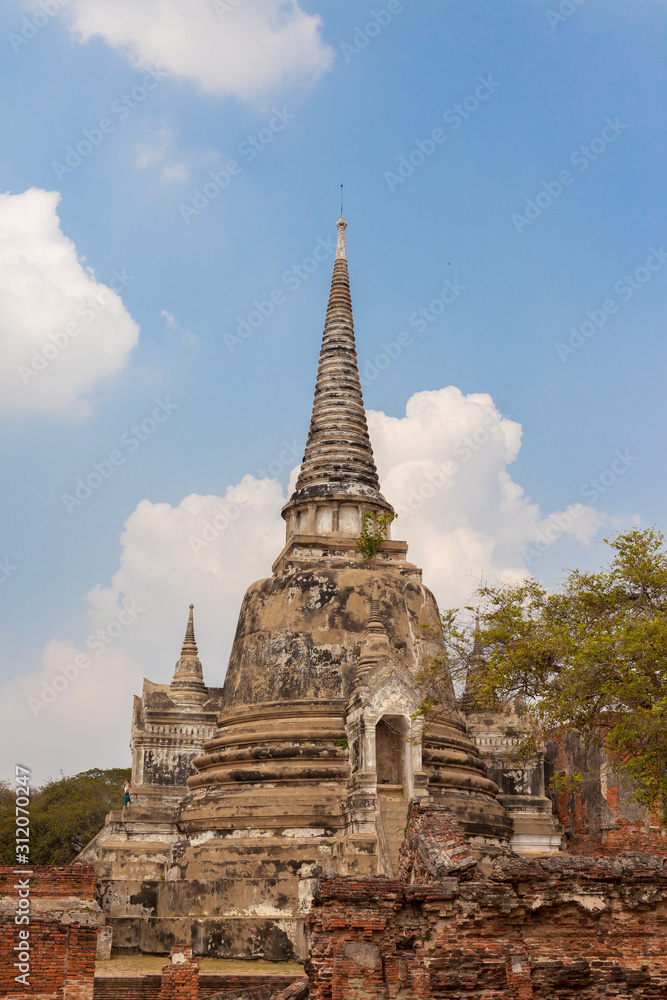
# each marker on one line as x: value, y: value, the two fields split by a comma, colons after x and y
x: 307, y: 758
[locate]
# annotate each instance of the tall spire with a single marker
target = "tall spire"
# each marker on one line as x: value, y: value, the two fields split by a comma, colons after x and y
x: 187, y: 686
x: 338, y: 460
x: 189, y: 644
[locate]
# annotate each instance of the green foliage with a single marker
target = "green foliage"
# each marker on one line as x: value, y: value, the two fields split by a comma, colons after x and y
x: 341, y: 743
x: 373, y: 534
x: 567, y: 784
x: 7, y: 824
x: 64, y: 815
x: 592, y: 657
x: 446, y: 671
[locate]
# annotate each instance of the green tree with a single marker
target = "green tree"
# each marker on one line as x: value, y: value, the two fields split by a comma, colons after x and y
x: 591, y: 657
x: 7, y: 824
x: 65, y: 814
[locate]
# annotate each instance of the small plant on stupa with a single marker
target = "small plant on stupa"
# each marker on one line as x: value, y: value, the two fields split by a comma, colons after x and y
x: 373, y: 533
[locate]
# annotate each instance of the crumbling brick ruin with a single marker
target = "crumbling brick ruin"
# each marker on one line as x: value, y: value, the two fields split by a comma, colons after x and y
x: 63, y: 924
x: 557, y: 927
x: 180, y: 979
x: 303, y: 811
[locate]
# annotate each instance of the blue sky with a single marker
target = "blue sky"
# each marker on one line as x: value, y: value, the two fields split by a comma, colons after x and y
x: 542, y: 108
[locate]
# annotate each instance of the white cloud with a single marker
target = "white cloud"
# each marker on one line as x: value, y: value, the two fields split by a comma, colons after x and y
x: 156, y: 151
x: 444, y: 469
x: 231, y: 48
x: 175, y: 172
x: 462, y: 521
x: 207, y: 550
x: 61, y: 330
x: 86, y: 721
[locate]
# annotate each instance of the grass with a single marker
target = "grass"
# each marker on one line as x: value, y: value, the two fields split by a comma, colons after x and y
x: 152, y: 965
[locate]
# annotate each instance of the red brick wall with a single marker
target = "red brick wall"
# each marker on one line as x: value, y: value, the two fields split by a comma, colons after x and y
x: 54, y: 881
x: 54, y: 947
x: 210, y: 985
x: 434, y: 823
x: 625, y: 836
x: 62, y: 955
x: 180, y: 979
x: 602, y: 817
x: 572, y: 928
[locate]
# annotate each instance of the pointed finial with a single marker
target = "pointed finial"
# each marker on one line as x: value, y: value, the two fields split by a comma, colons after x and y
x: 189, y: 643
x: 187, y: 688
x: 341, y: 201
x: 341, y: 251
x: 338, y: 461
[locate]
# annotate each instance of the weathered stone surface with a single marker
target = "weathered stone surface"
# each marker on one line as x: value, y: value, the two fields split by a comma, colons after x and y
x: 104, y: 939
x: 315, y: 753
x: 338, y: 462
x: 298, y: 990
x: 367, y: 955
x: 563, y: 928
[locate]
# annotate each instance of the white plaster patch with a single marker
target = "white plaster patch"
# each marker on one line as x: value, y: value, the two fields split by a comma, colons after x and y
x: 591, y: 903
x: 202, y: 838
x: 309, y: 833
x: 306, y: 889
x: 243, y: 834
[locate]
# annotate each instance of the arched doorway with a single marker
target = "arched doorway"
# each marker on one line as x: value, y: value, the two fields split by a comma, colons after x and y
x: 390, y: 750
x: 392, y: 762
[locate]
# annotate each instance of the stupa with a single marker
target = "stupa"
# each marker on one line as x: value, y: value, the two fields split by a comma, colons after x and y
x: 316, y: 751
